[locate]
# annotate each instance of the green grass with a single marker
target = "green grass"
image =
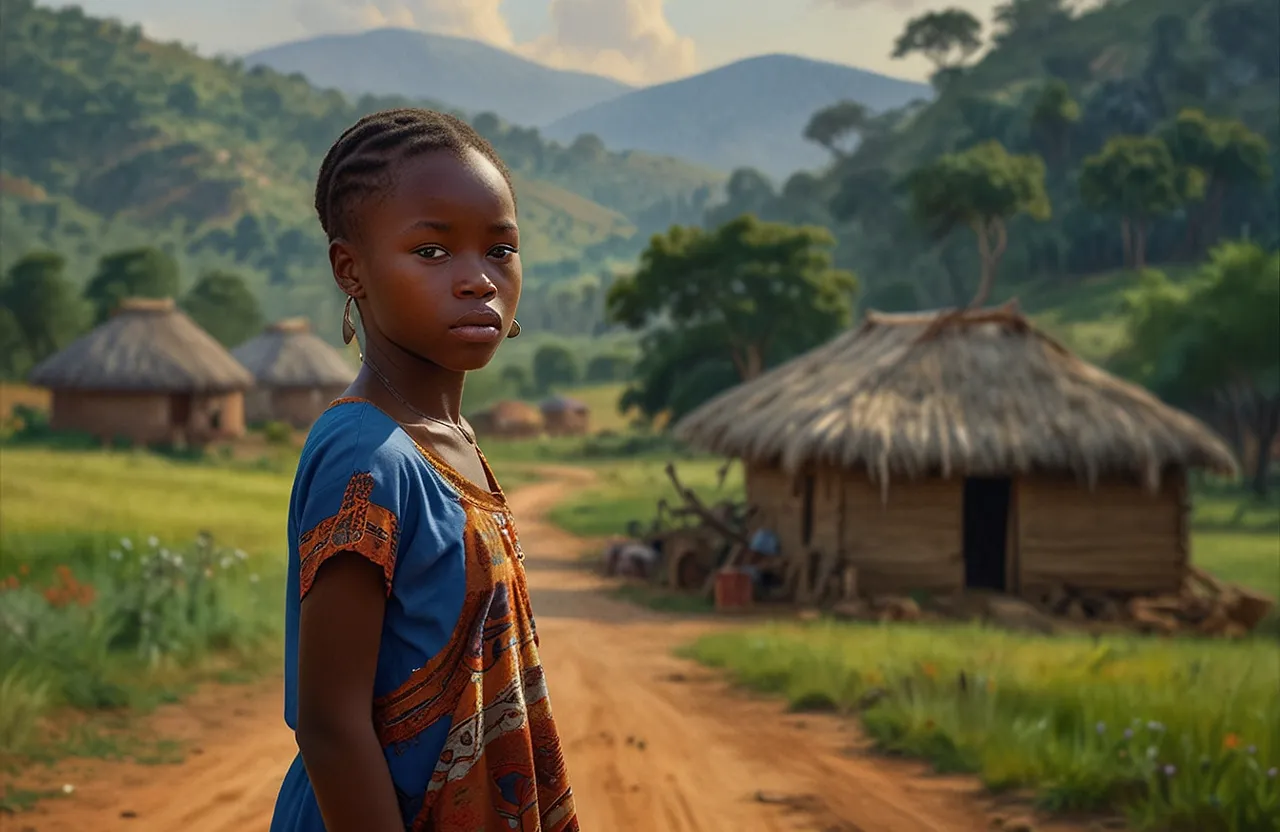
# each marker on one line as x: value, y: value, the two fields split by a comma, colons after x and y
x: 630, y: 490
x: 98, y: 626
x: 1181, y: 735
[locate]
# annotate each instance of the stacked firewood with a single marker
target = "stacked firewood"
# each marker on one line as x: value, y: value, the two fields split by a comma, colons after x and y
x: 1204, y: 606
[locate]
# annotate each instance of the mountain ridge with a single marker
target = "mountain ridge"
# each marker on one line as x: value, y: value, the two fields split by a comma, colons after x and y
x: 748, y: 113
x: 461, y: 72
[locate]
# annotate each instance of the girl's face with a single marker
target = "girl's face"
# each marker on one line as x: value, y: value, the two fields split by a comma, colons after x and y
x: 436, y: 265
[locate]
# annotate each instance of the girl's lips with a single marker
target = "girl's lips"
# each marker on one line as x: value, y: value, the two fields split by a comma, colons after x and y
x: 477, y: 334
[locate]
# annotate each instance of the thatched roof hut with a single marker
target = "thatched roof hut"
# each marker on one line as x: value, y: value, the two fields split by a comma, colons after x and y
x: 148, y: 374
x: 509, y: 420
x: 297, y: 374
x: 565, y: 416
x: 1015, y: 464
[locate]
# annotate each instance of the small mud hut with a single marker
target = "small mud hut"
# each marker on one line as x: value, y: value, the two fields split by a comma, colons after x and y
x: 148, y: 375
x: 509, y: 420
x: 297, y: 374
x: 939, y: 452
x: 564, y: 416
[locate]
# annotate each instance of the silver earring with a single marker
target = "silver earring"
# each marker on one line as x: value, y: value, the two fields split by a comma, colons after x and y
x: 514, y: 332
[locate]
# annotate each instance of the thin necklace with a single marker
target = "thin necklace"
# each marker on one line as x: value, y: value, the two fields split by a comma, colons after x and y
x: 396, y: 393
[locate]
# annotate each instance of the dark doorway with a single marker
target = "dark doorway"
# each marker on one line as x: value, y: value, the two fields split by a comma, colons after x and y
x: 986, y: 532
x: 179, y: 410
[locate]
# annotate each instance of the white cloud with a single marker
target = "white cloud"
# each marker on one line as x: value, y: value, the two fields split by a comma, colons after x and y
x: 480, y: 20
x: 630, y: 40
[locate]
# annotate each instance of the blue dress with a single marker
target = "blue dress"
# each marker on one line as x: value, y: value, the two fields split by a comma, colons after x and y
x: 460, y: 702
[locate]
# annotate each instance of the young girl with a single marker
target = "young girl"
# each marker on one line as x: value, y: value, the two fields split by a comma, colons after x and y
x: 412, y: 678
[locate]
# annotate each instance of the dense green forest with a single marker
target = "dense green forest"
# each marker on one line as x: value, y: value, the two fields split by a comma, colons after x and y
x: 1059, y: 86
x: 114, y: 141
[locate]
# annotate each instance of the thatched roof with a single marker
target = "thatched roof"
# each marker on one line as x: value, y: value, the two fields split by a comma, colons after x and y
x: 563, y: 404
x: 289, y: 354
x: 147, y: 346
x: 510, y: 413
x: 977, y: 393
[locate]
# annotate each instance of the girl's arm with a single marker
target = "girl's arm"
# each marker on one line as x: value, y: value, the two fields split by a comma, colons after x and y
x: 340, y: 629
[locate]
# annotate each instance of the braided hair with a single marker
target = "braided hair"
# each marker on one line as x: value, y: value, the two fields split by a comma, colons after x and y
x: 360, y: 162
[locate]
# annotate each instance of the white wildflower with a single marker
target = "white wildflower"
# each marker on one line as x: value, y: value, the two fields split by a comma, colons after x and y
x: 126, y: 543
x: 226, y: 563
x: 253, y: 579
x: 67, y: 788
x: 115, y: 554
x: 240, y: 554
x: 153, y: 541
x: 177, y: 560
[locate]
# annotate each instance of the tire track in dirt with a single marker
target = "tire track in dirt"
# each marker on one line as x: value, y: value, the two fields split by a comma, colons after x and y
x: 654, y: 743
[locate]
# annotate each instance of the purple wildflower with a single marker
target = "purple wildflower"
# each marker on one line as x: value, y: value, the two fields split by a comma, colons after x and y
x: 1170, y: 770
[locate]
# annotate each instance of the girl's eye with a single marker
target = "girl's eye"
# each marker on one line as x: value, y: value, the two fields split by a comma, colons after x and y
x: 431, y: 252
x: 502, y: 252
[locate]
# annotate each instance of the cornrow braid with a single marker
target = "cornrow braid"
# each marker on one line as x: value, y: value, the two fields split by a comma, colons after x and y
x: 361, y: 161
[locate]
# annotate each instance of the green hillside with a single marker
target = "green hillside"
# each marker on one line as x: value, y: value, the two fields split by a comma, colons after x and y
x: 1121, y: 71
x: 112, y: 139
x: 1109, y: 49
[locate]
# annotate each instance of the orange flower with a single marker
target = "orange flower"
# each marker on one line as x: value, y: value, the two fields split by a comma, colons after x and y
x: 1230, y: 741
x: 12, y: 582
x: 64, y: 572
x: 24, y: 570
x: 929, y: 670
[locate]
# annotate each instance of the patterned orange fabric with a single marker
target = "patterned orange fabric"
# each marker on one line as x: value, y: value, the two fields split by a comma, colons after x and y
x: 502, y: 767
x: 359, y: 526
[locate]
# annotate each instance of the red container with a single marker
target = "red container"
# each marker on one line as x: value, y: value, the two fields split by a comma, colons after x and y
x: 733, y: 590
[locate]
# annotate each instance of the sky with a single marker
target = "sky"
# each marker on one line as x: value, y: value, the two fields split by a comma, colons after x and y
x: 636, y: 41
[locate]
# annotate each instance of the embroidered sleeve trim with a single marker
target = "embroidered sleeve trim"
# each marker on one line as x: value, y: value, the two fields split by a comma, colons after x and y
x: 360, y: 526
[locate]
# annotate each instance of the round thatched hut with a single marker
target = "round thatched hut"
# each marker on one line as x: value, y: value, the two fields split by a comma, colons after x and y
x: 509, y: 420
x: 564, y: 416
x: 941, y: 451
x: 297, y: 374
x: 148, y: 374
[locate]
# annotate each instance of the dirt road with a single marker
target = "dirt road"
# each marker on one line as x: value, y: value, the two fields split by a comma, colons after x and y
x: 654, y: 744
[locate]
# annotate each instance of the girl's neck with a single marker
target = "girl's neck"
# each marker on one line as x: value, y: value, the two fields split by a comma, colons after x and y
x: 432, y: 389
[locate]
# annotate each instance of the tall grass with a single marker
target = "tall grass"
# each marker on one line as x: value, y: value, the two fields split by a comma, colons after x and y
x: 127, y: 577
x: 1180, y: 735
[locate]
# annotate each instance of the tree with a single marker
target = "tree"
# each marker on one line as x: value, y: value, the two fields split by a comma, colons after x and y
x: 554, y: 366
x: 982, y: 188
x: 1226, y: 152
x: 1137, y: 178
x: 831, y: 125
x: 754, y: 289
x: 138, y: 272
x: 43, y: 303
x: 1029, y: 19
x: 607, y: 367
x: 1052, y: 116
x: 1216, y: 341
x: 515, y: 378
x: 947, y: 39
x: 223, y: 305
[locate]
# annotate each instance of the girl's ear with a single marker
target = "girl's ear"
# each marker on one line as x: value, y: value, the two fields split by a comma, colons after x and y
x: 346, y: 268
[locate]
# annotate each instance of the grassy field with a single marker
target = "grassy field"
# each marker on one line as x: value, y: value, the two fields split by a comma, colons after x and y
x: 114, y: 599
x: 1180, y: 735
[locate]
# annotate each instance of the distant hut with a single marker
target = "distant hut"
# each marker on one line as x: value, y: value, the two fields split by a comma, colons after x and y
x: 564, y: 416
x: 935, y: 452
x: 297, y: 374
x: 509, y: 420
x: 148, y: 374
